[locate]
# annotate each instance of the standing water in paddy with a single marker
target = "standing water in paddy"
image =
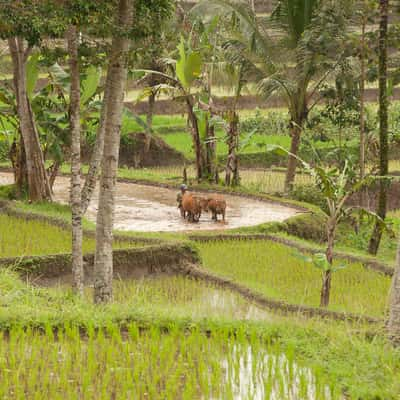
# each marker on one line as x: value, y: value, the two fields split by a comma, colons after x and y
x: 151, y: 208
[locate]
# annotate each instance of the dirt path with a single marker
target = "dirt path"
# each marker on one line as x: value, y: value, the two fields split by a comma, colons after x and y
x: 148, y: 208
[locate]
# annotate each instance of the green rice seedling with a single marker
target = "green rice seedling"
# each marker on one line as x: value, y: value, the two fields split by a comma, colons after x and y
x: 268, y: 180
x: 153, y: 364
x: 271, y: 269
x: 20, y: 237
x: 184, y: 296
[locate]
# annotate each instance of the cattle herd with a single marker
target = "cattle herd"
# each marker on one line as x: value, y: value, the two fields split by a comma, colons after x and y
x: 192, y: 206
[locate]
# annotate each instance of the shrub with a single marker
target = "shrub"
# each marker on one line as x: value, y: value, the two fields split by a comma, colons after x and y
x: 8, y: 192
x: 309, y: 226
x: 308, y: 193
x: 273, y: 123
x: 4, y: 150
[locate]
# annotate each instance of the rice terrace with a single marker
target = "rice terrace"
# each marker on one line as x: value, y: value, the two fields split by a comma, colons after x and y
x: 200, y: 200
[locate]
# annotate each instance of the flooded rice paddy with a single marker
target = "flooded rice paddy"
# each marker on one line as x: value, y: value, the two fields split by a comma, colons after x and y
x: 154, y: 209
x: 152, y: 365
x: 186, y: 296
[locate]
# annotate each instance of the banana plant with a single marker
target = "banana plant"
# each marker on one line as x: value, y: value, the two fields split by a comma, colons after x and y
x: 186, y: 70
x: 50, y: 107
x: 337, y: 186
x: 320, y: 262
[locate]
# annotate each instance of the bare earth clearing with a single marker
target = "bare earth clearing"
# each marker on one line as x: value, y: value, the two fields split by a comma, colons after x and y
x: 154, y: 209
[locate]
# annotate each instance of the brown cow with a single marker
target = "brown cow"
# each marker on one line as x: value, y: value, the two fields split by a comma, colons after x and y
x: 191, y: 205
x: 217, y: 205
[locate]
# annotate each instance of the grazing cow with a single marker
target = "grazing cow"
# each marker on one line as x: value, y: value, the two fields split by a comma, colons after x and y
x: 217, y: 205
x: 191, y: 205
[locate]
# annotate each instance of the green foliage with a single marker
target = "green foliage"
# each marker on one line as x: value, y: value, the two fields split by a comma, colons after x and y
x: 273, y: 123
x: 188, y: 66
x: 319, y: 261
x: 29, y: 19
x: 32, y: 74
x: 9, y: 192
x: 90, y: 84
x: 309, y: 226
x: 308, y: 193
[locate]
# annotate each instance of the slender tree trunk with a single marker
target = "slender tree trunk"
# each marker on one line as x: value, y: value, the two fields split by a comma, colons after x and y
x: 292, y: 161
x: 362, y: 112
x: 232, y: 164
x: 383, y: 127
x: 118, y: 71
x: 211, y: 156
x: 139, y: 162
x: 38, y: 183
x: 76, y: 199
x: 394, y: 311
x: 149, y: 121
x: 252, y: 5
x: 97, y: 154
x: 53, y: 172
x: 18, y: 161
x: 327, y: 275
x: 199, y: 154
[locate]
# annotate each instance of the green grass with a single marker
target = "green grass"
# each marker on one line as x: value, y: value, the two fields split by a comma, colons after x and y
x: 273, y: 270
x: 182, y: 142
x: 52, y: 210
x: 160, y: 123
x: 21, y: 237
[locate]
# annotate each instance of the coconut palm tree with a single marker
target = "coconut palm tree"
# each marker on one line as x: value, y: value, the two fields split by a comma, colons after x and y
x: 383, y: 123
x: 292, y: 52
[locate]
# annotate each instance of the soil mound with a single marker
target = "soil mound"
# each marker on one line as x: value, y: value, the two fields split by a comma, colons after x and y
x: 132, y: 152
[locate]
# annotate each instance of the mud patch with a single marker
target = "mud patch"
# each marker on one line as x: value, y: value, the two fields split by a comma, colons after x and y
x: 145, y: 208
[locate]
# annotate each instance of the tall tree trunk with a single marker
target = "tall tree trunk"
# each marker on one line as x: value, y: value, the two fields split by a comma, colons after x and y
x: 38, y: 183
x: 394, y: 311
x: 97, y: 154
x: 232, y: 164
x: 75, y: 128
x: 252, y: 5
x: 118, y: 71
x: 18, y: 161
x: 139, y: 162
x: 149, y: 121
x: 211, y: 156
x: 295, y: 134
x: 362, y: 111
x: 383, y: 127
x: 53, y: 172
x: 198, y: 149
x: 327, y: 275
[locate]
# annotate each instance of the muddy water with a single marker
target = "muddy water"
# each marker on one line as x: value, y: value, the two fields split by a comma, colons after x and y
x: 149, y: 208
